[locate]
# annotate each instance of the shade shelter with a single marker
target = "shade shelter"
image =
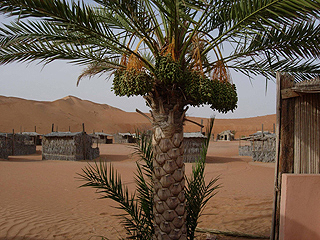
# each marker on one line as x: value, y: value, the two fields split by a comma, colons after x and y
x: 192, y: 143
x: 124, y: 138
x: 68, y: 146
x: 36, y: 137
x: 15, y: 144
x: 262, y: 147
x: 102, y: 138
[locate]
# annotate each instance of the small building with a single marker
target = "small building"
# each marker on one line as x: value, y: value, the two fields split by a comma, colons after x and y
x: 124, y: 138
x: 192, y: 143
x: 226, y: 135
x: 36, y: 137
x: 68, y: 146
x: 262, y: 147
x: 4, y: 154
x: 100, y: 137
x: 16, y: 145
x: 297, y: 177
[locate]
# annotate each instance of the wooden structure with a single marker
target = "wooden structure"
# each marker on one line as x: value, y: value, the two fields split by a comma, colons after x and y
x: 124, y: 138
x: 100, y: 137
x: 262, y: 147
x: 298, y: 134
x: 13, y: 144
x: 226, y: 135
x: 68, y: 146
x: 4, y: 154
x: 36, y: 137
x: 192, y: 144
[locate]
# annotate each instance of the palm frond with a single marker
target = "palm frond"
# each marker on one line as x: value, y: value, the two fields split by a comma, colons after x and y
x: 245, y: 17
x: 138, y: 16
x: 99, y: 68
x: 108, y: 183
x: 143, y: 149
x: 103, y: 31
x: 76, y: 24
x: 301, y: 70
x: 198, y: 192
x: 301, y: 40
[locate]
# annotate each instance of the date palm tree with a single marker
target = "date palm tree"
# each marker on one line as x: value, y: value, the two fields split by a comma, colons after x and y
x: 138, y: 207
x: 171, y: 53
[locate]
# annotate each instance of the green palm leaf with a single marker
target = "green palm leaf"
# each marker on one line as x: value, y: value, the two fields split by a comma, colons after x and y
x: 104, y: 31
x: 198, y: 192
x: 109, y: 185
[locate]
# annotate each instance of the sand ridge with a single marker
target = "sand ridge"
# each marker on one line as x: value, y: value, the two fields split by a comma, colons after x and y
x: 71, y: 112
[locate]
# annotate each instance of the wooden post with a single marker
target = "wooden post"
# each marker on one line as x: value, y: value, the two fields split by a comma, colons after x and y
x: 12, y: 142
x: 286, y: 129
x: 275, y: 218
x: 84, y: 143
x: 284, y: 147
x: 97, y: 142
x: 274, y: 128
x: 7, y: 143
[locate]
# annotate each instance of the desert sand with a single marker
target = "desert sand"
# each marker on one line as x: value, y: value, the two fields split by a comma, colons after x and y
x: 42, y: 199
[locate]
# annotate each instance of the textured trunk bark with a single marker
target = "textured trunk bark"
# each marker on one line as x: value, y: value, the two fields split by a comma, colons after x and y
x: 168, y: 176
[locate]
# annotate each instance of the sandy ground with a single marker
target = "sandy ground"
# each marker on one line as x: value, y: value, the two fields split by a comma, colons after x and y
x: 42, y: 199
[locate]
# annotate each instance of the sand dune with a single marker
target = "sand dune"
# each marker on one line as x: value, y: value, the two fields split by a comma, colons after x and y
x: 42, y: 199
x: 64, y: 113
x: 20, y: 114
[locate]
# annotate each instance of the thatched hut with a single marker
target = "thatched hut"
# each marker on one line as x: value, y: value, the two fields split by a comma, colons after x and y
x: 262, y: 147
x: 100, y: 137
x: 36, y: 137
x: 15, y: 145
x: 3, y: 146
x: 192, y: 143
x: 124, y: 138
x: 226, y: 135
x: 68, y: 146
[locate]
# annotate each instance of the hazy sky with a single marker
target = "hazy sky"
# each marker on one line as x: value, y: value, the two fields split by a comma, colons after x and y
x: 58, y: 79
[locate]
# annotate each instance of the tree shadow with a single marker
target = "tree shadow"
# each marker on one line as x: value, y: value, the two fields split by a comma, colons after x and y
x: 213, y: 159
x: 35, y: 157
x: 111, y: 158
x: 21, y: 238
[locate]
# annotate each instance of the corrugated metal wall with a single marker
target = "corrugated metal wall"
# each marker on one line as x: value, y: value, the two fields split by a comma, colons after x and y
x: 307, y: 134
x: 298, y: 134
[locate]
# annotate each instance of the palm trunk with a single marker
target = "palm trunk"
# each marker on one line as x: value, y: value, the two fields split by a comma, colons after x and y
x: 169, y: 170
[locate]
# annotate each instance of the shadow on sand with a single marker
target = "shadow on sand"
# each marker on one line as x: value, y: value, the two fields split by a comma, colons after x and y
x: 21, y: 238
x: 212, y: 159
x: 110, y: 158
